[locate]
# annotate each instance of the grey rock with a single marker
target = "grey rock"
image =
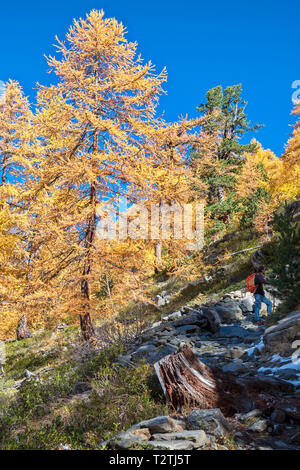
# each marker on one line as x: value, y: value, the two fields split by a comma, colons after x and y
x: 295, y: 439
x: 211, y: 421
x: 160, y: 424
x: 144, y: 350
x: 233, y: 331
x: 162, y: 341
x: 172, y: 316
x: 235, y: 353
x: 251, y: 414
x: 29, y: 375
x: 258, y: 426
x: 234, y: 368
x: 194, y: 320
x: 264, y: 448
x: 188, y: 329
x: 246, y: 304
x: 127, y: 440
x: 281, y: 445
x: 163, y: 299
x: 159, y: 353
x: 172, y: 445
x: 198, y: 438
x: 229, y: 311
x: 214, y: 320
x: 288, y: 374
x: 279, y: 337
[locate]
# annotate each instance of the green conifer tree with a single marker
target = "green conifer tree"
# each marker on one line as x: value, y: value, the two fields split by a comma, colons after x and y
x: 226, y: 119
x: 286, y: 268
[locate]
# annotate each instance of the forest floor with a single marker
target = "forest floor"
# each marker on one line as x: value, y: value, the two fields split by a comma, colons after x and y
x: 60, y: 391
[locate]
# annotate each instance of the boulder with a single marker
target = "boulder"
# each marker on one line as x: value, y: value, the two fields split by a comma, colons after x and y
x: 246, y: 304
x: 198, y: 437
x: 211, y: 421
x: 143, y: 351
x: 259, y: 426
x: 160, y: 424
x: 280, y: 337
x: 250, y: 415
x: 151, y: 353
x: 188, y: 329
x: 194, y: 319
x: 288, y: 373
x: 163, y: 299
x: 172, y: 445
x: 234, y: 368
x: 144, y: 432
x: 29, y: 375
x: 213, y: 318
x: 233, y: 332
x: 229, y: 311
x: 235, y: 352
x: 127, y: 440
x: 172, y: 316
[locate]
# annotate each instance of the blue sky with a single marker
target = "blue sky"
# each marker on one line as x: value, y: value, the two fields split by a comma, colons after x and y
x: 202, y: 44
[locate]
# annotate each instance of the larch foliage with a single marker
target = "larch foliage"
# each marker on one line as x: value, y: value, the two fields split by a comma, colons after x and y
x: 15, y: 166
x: 289, y: 181
x: 100, y: 139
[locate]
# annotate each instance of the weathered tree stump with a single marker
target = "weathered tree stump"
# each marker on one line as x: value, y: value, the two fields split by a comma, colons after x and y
x: 22, y: 330
x: 188, y: 382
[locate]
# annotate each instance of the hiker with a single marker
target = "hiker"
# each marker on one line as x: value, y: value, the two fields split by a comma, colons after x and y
x: 259, y: 294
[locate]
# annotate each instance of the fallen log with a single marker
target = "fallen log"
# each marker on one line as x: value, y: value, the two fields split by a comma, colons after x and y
x: 186, y: 381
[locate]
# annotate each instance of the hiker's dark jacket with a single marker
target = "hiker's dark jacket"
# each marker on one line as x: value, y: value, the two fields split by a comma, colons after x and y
x: 259, y: 281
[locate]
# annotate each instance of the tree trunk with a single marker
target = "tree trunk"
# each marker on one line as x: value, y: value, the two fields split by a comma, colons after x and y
x: 220, y: 191
x: 188, y: 382
x: 22, y: 330
x: 4, y: 170
x: 86, y: 325
x: 109, y: 293
x: 158, y: 247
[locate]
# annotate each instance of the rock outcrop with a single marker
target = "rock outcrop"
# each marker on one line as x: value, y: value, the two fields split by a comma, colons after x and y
x: 239, y: 378
x: 195, y: 431
x: 280, y: 337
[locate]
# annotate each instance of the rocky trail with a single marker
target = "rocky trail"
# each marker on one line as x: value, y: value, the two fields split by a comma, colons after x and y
x: 227, y: 346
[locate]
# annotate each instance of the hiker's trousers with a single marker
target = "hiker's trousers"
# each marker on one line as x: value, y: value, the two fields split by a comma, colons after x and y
x: 257, y: 305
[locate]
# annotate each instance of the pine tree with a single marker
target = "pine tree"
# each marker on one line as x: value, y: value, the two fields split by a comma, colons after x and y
x: 286, y: 269
x: 226, y: 121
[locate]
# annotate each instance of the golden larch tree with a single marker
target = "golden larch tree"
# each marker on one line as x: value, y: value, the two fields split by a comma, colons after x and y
x: 94, y: 125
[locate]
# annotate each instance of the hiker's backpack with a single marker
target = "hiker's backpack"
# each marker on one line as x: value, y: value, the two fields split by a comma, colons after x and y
x: 250, y: 283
